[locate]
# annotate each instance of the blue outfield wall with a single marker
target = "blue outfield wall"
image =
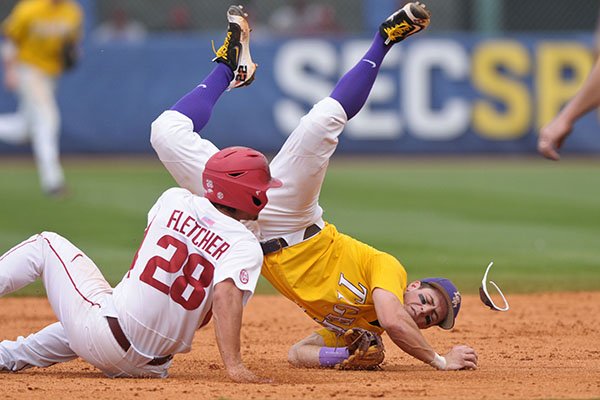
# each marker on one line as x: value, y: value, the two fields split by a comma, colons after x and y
x: 434, y: 94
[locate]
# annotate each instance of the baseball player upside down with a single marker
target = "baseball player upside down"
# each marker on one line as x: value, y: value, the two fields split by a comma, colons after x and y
x: 338, y: 281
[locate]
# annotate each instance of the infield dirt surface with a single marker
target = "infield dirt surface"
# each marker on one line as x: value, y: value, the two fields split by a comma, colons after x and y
x: 546, y: 346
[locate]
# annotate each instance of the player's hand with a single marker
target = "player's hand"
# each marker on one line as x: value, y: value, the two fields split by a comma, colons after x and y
x: 552, y: 137
x: 11, y: 78
x: 241, y: 374
x: 461, y: 357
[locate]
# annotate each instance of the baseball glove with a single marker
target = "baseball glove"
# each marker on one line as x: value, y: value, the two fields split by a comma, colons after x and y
x: 366, y: 350
x: 70, y: 55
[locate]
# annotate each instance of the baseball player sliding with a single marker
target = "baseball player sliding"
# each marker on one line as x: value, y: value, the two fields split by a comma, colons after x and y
x: 348, y: 287
x: 196, y: 260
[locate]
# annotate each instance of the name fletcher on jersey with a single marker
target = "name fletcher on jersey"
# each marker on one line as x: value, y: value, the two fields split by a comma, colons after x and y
x: 201, y: 236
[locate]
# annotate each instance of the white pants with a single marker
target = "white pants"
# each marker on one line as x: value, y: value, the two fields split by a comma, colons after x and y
x: 81, y: 299
x: 301, y: 165
x: 37, y: 119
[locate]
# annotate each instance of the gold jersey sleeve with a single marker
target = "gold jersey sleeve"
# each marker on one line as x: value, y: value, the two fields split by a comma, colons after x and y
x: 332, y: 277
x: 40, y: 29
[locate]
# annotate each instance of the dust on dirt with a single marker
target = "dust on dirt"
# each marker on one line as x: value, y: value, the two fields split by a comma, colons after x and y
x: 546, y: 346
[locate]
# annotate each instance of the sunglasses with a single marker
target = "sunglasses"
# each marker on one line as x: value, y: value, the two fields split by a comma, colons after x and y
x: 485, y: 296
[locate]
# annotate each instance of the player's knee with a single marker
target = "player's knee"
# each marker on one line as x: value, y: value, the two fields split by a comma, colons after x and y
x: 294, y: 356
x: 48, y: 235
x: 157, y: 132
x: 161, y: 130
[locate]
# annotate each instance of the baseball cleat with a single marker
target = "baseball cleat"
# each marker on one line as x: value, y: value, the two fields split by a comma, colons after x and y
x: 235, y: 51
x: 410, y: 19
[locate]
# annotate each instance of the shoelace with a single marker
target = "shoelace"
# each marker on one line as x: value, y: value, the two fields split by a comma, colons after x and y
x: 397, y: 31
x: 222, y: 52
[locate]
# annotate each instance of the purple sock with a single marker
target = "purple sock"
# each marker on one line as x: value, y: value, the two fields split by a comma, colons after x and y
x: 198, y: 103
x: 354, y: 87
x: 330, y: 356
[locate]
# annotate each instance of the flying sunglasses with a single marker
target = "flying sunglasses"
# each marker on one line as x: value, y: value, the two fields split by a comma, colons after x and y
x: 485, y: 297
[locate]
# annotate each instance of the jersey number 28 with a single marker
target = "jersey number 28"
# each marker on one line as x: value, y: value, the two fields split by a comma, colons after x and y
x: 187, y: 289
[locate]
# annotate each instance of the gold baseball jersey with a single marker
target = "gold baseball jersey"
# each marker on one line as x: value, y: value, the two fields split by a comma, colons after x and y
x: 40, y: 29
x: 332, y: 277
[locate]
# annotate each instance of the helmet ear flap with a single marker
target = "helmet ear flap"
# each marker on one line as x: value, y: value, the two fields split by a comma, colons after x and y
x: 237, y: 174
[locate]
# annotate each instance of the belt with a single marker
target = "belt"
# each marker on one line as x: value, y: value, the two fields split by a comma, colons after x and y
x: 274, y: 245
x: 115, y: 328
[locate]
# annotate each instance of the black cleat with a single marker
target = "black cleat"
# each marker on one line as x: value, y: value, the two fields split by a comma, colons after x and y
x: 235, y: 51
x: 410, y: 19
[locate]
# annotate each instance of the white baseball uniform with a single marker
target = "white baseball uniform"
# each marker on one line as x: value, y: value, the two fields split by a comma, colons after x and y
x: 301, y: 165
x: 189, y: 246
x: 38, y: 119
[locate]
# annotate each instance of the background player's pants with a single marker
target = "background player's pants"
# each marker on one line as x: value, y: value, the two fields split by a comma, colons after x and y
x: 37, y: 119
x: 301, y: 164
x: 81, y: 299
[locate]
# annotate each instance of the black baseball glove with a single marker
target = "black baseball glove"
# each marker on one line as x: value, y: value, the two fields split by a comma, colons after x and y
x: 70, y: 55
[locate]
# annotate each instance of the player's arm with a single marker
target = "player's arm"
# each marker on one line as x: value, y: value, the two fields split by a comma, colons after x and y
x: 405, y: 333
x: 15, y: 30
x: 587, y: 98
x: 227, y: 313
x: 9, y: 62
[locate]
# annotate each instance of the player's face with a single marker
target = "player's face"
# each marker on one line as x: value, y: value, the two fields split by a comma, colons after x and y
x: 426, y: 306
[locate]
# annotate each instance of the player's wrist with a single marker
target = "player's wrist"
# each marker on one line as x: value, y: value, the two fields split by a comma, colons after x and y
x: 8, y: 51
x: 438, y: 362
x: 331, y: 356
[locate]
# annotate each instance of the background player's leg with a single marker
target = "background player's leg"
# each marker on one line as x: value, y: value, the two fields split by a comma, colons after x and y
x: 44, y: 123
x: 42, y: 349
x: 14, y: 126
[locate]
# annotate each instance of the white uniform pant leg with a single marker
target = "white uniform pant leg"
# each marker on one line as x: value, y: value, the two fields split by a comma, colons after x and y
x: 13, y: 128
x: 301, y: 165
x: 20, y: 265
x: 74, y: 286
x: 181, y: 150
x: 41, y: 349
x: 37, y: 92
x: 79, y: 296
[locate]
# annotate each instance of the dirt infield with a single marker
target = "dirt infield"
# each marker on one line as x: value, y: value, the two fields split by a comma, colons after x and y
x: 546, y: 346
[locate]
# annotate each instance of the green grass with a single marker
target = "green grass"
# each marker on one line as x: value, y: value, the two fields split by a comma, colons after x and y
x: 539, y: 221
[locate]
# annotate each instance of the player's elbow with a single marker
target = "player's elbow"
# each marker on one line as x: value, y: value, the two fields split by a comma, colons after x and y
x: 395, y: 328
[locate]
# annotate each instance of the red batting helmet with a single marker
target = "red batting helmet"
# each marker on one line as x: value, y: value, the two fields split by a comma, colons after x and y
x: 238, y: 177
